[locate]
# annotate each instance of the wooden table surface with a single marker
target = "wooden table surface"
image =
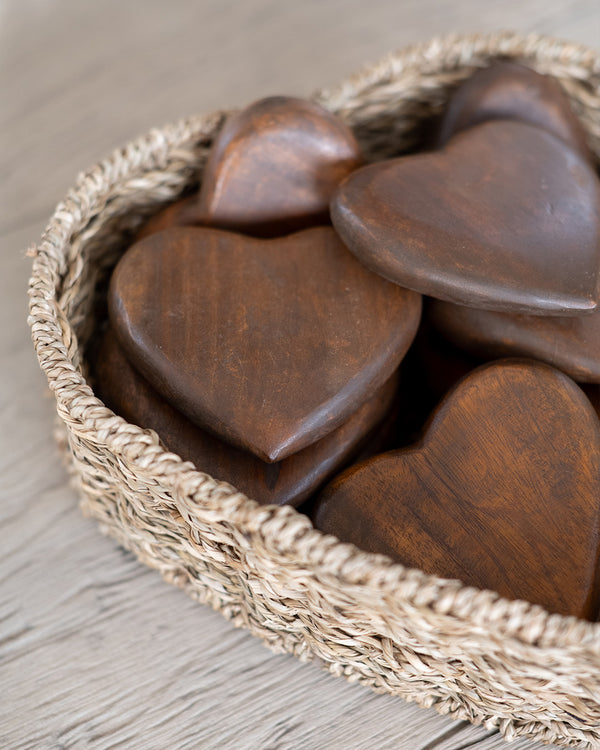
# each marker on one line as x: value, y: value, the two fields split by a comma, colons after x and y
x: 95, y: 650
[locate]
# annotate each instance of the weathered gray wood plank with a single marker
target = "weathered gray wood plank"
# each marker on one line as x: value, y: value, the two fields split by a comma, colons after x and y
x: 95, y: 650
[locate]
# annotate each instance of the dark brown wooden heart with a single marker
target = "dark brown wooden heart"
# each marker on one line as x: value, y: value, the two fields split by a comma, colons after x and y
x: 507, y: 90
x: 503, y: 492
x: 182, y: 213
x: 286, y: 482
x: 270, y: 344
x: 274, y: 166
x: 506, y: 217
x: 572, y: 344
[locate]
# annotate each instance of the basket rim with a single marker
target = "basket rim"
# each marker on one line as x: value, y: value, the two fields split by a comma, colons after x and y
x: 281, y: 528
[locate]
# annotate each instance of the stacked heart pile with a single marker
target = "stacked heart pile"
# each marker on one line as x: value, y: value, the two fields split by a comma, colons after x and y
x: 272, y: 348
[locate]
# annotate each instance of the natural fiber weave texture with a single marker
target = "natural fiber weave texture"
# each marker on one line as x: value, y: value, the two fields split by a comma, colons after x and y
x: 468, y: 652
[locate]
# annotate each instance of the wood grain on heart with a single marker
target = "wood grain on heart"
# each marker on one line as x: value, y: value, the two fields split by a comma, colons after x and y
x: 289, y: 481
x: 507, y: 90
x: 184, y: 212
x: 570, y: 343
x: 506, y: 217
x: 503, y: 492
x: 270, y: 344
x: 274, y: 166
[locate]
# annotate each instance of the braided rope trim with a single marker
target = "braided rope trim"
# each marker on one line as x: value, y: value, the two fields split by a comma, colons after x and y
x: 468, y: 652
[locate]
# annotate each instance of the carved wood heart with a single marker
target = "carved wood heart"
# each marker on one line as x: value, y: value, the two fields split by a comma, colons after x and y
x: 506, y: 217
x: 182, y: 213
x: 270, y: 344
x: 289, y: 481
x: 503, y: 492
x: 274, y: 166
x: 507, y: 90
x: 572, y: 344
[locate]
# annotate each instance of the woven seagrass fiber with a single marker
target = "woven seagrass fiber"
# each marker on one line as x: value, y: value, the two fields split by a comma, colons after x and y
x: 469, y: 653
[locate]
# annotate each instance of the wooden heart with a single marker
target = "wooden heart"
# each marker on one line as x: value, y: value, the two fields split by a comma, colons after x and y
x: 506, y: 217
x: 572, y: 344
x: 289, y: 481
x: 502, y: 493
x: 507, y: 90
x: 182, y: 213
x: 274, y: 166
x: 270, y: 344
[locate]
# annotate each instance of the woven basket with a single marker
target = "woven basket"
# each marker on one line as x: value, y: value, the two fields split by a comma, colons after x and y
x: 469, y: 653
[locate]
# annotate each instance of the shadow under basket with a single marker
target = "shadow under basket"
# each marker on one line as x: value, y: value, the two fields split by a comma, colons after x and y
x: 468, y: 653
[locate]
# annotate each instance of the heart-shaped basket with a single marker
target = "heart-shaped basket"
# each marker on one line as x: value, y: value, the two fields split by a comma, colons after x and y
x: 469, y: 653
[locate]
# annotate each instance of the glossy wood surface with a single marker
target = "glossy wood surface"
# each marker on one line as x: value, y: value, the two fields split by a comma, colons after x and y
x: 274, y: 166
x: 290, y: 481
x: 572, y: 344
x: 502, y: 493
x: 506, y: 217
x: 270, y: 344
x: 507, y: 90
